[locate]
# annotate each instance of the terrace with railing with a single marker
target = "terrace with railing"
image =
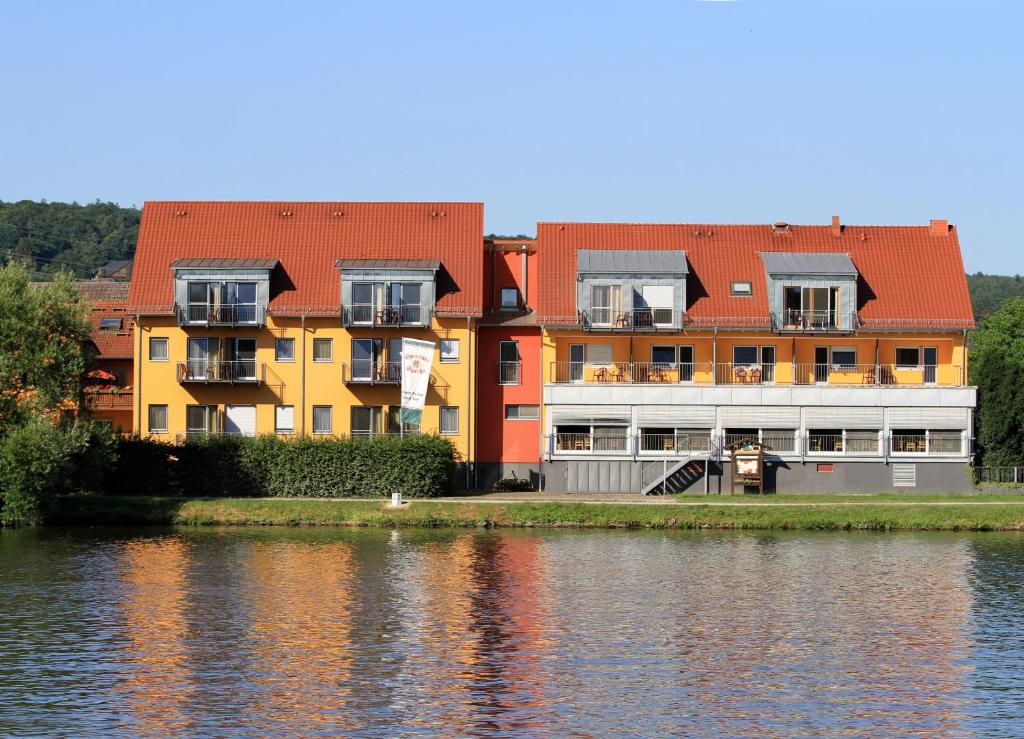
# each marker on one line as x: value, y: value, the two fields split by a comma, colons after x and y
x: 814, y: 321
x: 371, y: 372
x: 674, y: 443
x: 234, y: 371
x: 204, y: 314
x: 640, y: 319
x: 109, y: 399
x: 706, y: 373
x: 372, y: 314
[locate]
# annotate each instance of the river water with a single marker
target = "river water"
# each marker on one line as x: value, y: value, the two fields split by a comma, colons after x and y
x: 297, y: 632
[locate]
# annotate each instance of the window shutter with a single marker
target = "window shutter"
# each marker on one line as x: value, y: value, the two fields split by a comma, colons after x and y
x: 599, y: 353
x: 761, y: 416
x: 676, y: 416
x: 928, y: 418
x: 658, y: 296
x: 837, y: 417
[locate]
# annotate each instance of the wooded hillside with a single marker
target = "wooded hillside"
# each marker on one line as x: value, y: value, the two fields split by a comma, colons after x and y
x: 48, y: 236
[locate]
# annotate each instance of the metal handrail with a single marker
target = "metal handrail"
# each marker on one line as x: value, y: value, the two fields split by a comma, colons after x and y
x: 371, y: 371
x: 230, y: 314
x: 375, y: 314
x: 206, y: 370
x: 792, y: 319
x: 631, y: 320
x: 509, y: 373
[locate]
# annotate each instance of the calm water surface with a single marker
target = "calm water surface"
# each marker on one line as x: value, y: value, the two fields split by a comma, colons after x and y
x: 374, y: 633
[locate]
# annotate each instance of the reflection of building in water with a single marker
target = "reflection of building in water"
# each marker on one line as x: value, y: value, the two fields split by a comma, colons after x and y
x: 158, y: 684
x: 300, y: 636
x: 481, y: 608
x: 876, y: 624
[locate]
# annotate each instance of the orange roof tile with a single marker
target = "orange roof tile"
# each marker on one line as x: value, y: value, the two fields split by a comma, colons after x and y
x: 111, y: 344
x: 910, y: 276
x: 308, y: 238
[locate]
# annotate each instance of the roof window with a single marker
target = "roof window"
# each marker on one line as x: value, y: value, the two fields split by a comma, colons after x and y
x: 110, y: 324
x: 741, y: 289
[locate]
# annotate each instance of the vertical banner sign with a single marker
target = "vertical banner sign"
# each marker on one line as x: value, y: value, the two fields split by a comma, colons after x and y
x: 417, y: 358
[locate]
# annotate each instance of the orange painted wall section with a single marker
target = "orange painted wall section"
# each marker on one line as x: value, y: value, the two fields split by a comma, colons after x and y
x: 505, y: 269
x: 499, y: 440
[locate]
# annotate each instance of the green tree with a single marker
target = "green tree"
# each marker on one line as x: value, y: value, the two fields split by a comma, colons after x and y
x: 997, y: 368
x: 44, y: 347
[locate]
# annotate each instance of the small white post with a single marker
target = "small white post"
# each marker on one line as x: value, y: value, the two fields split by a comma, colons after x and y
x: 396, y: 500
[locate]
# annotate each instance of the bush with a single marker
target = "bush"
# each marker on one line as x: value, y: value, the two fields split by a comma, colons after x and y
x: 417, y: 466
x: 39, y: 461
x: 140, y: 466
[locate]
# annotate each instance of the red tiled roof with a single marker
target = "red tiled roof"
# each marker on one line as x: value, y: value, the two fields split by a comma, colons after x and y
x: 308, y: 238
x: 908, y: 276
x: 111, y: 344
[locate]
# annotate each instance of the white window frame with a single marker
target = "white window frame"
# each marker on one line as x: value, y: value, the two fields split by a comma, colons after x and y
x: 440, y: 420
x: 149, y: 418
x: 277, y: 351
x: 450, y: 358
x: 330, y: 418
x: 330, y: 343
x: 519, y: 407
x: 737, y: 291
x: 277, y: 426
x: 920, y: 358
x: 167, y: 348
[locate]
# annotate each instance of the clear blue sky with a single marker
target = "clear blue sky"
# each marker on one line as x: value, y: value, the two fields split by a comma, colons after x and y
x: 883, y: 111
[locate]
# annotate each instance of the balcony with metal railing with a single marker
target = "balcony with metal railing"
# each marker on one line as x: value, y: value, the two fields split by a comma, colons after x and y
x: 640, y: 319
x: 371, y: 372
x: 724, y: 373
x: 509, y: 373
x: 653, y: 443
x: 204, y: 314
x: 375, y: 315
x: 814, y: 321
x: 932, y: 443
x: 240, y: 371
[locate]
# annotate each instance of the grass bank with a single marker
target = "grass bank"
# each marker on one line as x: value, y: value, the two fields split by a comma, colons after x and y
x: 951, y: 514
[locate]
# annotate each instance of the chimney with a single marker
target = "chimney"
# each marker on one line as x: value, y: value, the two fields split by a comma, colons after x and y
x: 939, y: 227
x: 837, y: 228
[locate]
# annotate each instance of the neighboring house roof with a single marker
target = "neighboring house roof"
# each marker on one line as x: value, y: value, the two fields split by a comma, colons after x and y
x: 909, y: 276
x: 308, y: 238
x: 796, y: 263
x: 225, y: 263
x: 643, y: 261
x: 104, y: 290
x: 109, y: 300
x: 121, y: 268
x: 111, y: 344
x: 431, y: 264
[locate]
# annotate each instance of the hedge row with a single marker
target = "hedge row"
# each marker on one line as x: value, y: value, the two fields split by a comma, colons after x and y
x: 416, y: 466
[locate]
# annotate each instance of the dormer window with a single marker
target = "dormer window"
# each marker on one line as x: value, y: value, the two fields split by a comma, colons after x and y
x: 387, y: 292
x: 228, y: 292
x: 811, y: 292
x: 631, y: 289
x: 741, y: 289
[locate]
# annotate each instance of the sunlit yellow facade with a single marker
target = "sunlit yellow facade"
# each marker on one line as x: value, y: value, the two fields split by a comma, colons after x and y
x: 302, y: 382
